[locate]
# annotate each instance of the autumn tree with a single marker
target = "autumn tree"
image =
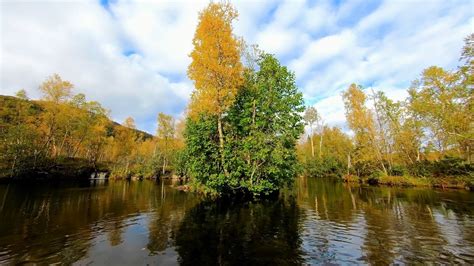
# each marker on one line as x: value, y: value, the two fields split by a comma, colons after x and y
x: 124, y: 146
x: 166, y: 134
x: 19, y: 137
x: 262, y: 127
x: 56, y: 90
x: 335, y: 153
x: 215, y: 69
x: 445, y: 105
x: 360, y: 120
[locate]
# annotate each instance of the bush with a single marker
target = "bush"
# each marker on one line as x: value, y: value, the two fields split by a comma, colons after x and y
x: 326, y: 167
x: 451, y: 166
x: 421, y: 169
x: 375, y: 177
x: 448, y: 166
x: 398, y: 170
x: 365, y: 168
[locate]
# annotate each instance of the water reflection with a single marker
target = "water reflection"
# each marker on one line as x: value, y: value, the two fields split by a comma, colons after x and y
x: 236, y: 233
x: 317, y: 222
x: 382, y: 225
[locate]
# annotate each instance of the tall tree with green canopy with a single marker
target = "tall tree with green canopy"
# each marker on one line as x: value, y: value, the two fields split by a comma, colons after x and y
x: 266, y: 120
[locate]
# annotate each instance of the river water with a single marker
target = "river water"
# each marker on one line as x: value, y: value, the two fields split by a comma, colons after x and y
x: 318, y: 221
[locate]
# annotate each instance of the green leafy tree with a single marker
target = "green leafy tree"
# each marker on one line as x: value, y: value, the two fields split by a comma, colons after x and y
x: 263, y: 126
x: 266, y: 124
x: 22, y: 94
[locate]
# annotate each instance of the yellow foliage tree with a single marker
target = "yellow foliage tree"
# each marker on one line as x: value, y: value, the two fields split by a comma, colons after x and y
x: 55, y: 89
x: 216, y: 68
x: 360, y: 120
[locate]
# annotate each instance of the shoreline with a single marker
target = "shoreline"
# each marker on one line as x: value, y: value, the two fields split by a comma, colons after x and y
x: 453, y: 182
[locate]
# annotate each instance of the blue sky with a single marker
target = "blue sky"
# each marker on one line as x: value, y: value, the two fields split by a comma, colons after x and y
x: 132, y: 56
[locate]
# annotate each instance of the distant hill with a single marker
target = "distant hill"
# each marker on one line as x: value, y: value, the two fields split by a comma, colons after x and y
x: 41, y: 138
x: 9, y: 104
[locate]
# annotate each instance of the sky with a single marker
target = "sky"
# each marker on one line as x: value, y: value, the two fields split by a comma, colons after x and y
x: 132, y: 56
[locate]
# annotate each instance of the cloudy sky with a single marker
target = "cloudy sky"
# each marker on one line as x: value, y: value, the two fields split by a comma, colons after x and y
x: 132, y: 56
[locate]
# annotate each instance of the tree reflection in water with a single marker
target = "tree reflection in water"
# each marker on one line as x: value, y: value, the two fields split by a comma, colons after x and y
x: 320, y: 221
x: 240, y: 233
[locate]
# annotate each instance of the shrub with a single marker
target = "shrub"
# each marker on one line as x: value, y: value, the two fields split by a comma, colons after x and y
x: 421, y: 169
x: 451, y: 166
x: 398, y: 170
x: 326, y: 167
x: 365, y: 168
x: 448, y: 166
x: 374, y: 177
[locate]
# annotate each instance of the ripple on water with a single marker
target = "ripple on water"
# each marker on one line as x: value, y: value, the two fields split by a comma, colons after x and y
x: 330, y: 223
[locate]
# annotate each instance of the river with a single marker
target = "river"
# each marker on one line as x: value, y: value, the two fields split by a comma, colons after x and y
x: 318, y: 221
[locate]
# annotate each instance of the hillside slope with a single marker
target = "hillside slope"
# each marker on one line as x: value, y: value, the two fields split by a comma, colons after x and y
x: 42, y: 138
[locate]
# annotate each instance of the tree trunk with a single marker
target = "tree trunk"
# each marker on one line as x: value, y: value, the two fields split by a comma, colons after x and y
x: 348, y: 163
x: 13, y: 166
x: 320, y: 145
x: 164, y: 165
x: 311, y: 139
x: 221, y: 143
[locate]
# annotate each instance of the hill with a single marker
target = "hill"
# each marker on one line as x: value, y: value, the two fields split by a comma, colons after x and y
x: 43, y: 138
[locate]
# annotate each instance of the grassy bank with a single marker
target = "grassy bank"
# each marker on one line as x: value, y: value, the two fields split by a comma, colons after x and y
x: 459, y: 182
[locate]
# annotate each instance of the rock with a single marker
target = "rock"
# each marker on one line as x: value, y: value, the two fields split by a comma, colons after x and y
x: 185, y: 188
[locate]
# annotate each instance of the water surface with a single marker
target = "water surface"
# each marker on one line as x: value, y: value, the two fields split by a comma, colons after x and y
x: 318, y: 221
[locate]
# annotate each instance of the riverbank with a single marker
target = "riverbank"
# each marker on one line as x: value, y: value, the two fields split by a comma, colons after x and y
x: 77, y: 168
x: 457, y: 182
x: 64, y: 169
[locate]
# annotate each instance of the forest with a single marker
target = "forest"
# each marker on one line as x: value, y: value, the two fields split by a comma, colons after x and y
x: 244, y: 130
x: 425, y: 139
x: 65, y: 135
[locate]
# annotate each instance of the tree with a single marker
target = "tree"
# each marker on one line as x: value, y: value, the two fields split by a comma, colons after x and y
x: 215, y: 69
x: 22, y: 94
x: 262, y: 127
x: 78, y: 100
x: 124, y: 147
x: 444, y: 103
x: 311, y: 116
x: 55, y: 89
x: 265, y: 123
x: 166, y: 133
x: 18, y: 135
x: 129, y: 122
x: 466, y: 73
x: 399, y: 129
x: 360, y: 120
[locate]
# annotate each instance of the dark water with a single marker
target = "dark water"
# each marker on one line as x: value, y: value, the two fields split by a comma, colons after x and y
x: 317, y: 222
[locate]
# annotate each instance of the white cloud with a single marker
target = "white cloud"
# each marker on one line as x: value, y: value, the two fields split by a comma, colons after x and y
x: 331, y: 110
x: 133, y: 55
x: 390, y: 47
x: 84, y: 44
